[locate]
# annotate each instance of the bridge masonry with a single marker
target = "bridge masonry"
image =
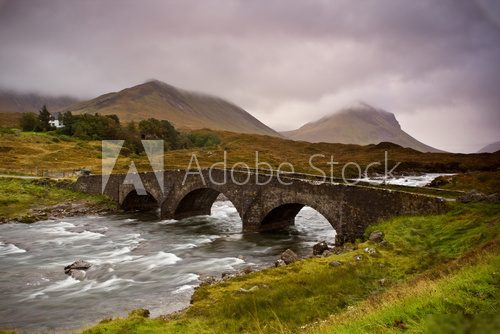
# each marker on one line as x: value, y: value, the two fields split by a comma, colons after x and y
x: 264, y: 207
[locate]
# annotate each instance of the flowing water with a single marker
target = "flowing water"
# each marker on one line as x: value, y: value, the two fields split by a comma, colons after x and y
x: 138, y: 262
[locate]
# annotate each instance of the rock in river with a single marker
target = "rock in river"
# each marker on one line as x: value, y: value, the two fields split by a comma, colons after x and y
x: 77, y: 265
x: 320, y: 247
x: 289, y: 256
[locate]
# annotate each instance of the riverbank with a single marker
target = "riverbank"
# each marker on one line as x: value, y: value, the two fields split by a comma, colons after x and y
x: 28, y: 201
x: 443, y: 265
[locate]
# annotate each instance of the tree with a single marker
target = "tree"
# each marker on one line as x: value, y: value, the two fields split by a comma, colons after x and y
x: 156, y: 129
x: 67, y: 121
x: 29, y: 122
x: 132, y: 138
x: 44, y: 117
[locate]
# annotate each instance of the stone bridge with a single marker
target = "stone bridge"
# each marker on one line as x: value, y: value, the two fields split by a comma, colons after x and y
x: 263, y: 207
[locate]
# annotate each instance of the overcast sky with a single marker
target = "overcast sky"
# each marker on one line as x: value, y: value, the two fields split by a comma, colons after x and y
x: 435, y: 64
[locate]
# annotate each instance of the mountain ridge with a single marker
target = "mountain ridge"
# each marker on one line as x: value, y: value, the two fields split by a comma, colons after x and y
x: 359, y: 124
x: 490, y: 148
x: 17, y: 102
x: 184, y: 108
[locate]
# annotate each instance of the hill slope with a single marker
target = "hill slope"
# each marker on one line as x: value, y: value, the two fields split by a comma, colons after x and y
x: 491, y: 148
x: 184, y: 109
x: 360, y: 124
x: 11, y: 102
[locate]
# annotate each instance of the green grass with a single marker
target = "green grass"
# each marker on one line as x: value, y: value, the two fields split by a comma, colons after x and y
x: 485, y: 182
x: 466, y: 301
x: 298, y: 295
x: 18, y: 196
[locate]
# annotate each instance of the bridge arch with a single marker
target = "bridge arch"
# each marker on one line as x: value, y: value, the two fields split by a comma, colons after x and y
x: 196, y: 201
x: 282, y: 215
x: 133, y: 201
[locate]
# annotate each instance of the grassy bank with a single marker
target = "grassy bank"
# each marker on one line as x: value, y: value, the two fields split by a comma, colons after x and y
x: 485, y: 182
x: 18, y: 198
x: 445, y: 264
x: 28, y: 152
x: 463, y: 301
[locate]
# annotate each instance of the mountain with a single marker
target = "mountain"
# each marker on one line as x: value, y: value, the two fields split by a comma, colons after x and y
x: 29, y: 102
x: 491, y: 148
x: 359, y: 124
x: 185, y: 109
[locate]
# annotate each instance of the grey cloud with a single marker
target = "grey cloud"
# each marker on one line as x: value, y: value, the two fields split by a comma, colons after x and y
x: 287, y: 62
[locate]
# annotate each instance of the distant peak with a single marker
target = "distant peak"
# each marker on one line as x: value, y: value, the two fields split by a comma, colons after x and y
x: 355, y: 107
x: 157, y: 85
x: 358, y: 105
x: 155, y: 82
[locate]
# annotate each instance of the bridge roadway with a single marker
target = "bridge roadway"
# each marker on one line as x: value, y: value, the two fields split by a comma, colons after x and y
x: 265, y: 206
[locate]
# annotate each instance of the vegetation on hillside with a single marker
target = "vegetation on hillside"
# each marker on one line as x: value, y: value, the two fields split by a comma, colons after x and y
x: 32, y: 122
x: 9, y: 119
x: 108, y: 127
x: 434, y: 271
x: 27, y: 152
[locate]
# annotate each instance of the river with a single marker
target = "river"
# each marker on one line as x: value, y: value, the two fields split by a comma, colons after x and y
x: 138, y: 262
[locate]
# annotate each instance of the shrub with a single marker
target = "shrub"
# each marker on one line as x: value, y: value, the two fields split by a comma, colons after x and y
x: 203, y: 139
x: 29, y: 122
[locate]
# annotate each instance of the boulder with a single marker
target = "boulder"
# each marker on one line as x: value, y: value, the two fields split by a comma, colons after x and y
x: 320, y: 247
x: 358, y: 257
x: 493, y: 198
x: 77, y: 274
x: 140, y: 312
x: 289, y: 256
x: 335, y: 264
x: 279, y: 263
x: 77, y: 265
x: 472, y: 196
x: 226, y: 275
x: 207, y: 280
x: 376, y: 236
x: 247, y: 270
x: 370, y: 250
x: 440, y: 181
x: 327, y: 253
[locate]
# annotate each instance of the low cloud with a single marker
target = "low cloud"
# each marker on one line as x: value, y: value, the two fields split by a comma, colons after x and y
x: 434, y: 64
